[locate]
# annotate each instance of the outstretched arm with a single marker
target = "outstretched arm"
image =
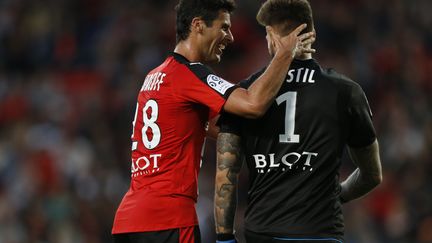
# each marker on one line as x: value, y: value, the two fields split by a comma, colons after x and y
x: 367, y: 176
x: 227, y: 171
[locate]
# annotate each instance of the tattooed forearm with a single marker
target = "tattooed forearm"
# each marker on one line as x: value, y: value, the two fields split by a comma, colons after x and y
x: 366, y: 177
x: 228, y: 168
x: 228, y: 143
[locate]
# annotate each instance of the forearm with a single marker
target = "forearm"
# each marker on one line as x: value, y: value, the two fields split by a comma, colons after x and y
x: 263, y: 91
x: 228, y: 168
x: 357, y: 185
x: 366, y: 177
x: 225, y: 203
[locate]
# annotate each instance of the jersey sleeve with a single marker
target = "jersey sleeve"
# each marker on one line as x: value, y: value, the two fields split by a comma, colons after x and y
x: 362, y: 132
x: 204, y: 87
x: 229, y: 123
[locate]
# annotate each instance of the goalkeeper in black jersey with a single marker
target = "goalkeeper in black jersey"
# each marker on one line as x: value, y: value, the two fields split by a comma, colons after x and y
x: 294, y: 151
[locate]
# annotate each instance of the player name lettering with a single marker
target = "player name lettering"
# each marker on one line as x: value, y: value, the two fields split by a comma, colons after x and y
x: 266, y: 162
x: 153, y: 81
x: 301, y: 75
x: 145, y: 165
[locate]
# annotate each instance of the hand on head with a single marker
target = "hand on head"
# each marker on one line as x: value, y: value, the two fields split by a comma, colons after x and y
x: 293, y: 44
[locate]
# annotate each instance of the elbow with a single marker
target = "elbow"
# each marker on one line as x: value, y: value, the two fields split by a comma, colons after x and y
x: 255, y: 115
x: 255, y: 111
x: 376, y: 180
x: 247, y: 104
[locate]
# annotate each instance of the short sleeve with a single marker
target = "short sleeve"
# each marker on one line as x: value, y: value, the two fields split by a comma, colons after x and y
x: 362, y: 132
x: 229, y: 123
x: 202, y: 86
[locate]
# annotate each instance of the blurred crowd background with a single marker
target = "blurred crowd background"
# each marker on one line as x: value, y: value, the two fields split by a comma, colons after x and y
x: 70, y: 71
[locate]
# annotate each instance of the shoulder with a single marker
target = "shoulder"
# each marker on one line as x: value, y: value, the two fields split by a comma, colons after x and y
x: 200, y: 70
x: 248, y: 81
x: 337, y: 78
x: 343, y: 83
x: 198, y: 73
x: 196, y: 69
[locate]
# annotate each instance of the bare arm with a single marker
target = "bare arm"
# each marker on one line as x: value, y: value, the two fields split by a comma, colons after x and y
x: 367, y: 176
x: 228, y: 168
x: 254, y: 102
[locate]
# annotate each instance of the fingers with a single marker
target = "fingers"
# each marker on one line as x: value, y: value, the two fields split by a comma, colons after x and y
x: 307, y: 41
x: 299, y: 29
x: 306, y: 36
x: 293, y: 44
x: 269, y: 29
x: 304, y: 48
x: 274, y: 38
x: 307, y: 50
x: 272, y: 34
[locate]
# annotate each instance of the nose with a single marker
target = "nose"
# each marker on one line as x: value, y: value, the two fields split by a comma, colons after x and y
x: 230, y: 36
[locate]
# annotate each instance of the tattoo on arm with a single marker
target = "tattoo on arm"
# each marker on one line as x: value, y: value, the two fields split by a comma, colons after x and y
x: 366, y: 177
x: 228, y: 168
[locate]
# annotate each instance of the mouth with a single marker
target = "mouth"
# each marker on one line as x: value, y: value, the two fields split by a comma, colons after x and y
x: 221, y: 47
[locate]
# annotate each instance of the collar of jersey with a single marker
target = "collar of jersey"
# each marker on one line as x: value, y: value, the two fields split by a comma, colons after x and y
x: 179, y: 57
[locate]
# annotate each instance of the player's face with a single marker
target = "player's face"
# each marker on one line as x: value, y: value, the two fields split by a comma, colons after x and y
x: 217, y: 37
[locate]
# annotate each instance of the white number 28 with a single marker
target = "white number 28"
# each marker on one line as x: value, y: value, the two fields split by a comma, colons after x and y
x: 149, y: 121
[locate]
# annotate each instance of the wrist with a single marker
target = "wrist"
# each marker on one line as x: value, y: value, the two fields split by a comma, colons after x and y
x: 283, y: 57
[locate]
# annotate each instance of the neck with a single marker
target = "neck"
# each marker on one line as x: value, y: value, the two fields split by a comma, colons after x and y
x: 305, y: 56
x: 188, y: 49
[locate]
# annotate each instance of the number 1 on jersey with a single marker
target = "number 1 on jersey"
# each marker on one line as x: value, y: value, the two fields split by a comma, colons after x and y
x: 291, y: 99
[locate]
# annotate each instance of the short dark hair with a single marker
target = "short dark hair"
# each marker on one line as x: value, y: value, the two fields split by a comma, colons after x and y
x: 208, y: 10
x: 287, y: 13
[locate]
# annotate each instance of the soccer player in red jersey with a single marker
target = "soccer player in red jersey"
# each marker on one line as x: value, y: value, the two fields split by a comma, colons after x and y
x: 174, y: 104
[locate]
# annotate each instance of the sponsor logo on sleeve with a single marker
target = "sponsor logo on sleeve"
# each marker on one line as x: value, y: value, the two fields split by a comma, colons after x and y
x: 218, y: 84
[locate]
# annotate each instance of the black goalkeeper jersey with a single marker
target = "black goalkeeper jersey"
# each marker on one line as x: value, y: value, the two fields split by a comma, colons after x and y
x: 294, y: 151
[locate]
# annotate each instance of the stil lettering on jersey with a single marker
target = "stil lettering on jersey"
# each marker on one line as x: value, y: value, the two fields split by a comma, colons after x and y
x: 301, y: 75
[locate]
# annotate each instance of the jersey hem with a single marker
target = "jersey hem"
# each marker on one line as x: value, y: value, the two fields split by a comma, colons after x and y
x: 291, y: 235
x: 150, y: 229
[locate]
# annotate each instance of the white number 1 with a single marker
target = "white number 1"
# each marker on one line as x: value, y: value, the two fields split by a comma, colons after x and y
x: 291, y: 99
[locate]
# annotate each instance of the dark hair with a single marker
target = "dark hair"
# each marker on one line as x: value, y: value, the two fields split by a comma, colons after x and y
x: 208, y: 10
x: 287, y: 13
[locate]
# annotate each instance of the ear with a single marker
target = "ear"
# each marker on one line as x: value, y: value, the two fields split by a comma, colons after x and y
x: 197, y: 25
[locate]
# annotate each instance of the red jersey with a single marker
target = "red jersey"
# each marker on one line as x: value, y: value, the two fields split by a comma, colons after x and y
x: 174, y: 104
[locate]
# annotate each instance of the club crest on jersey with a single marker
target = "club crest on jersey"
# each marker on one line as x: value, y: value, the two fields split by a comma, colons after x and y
x: 218, y: 84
